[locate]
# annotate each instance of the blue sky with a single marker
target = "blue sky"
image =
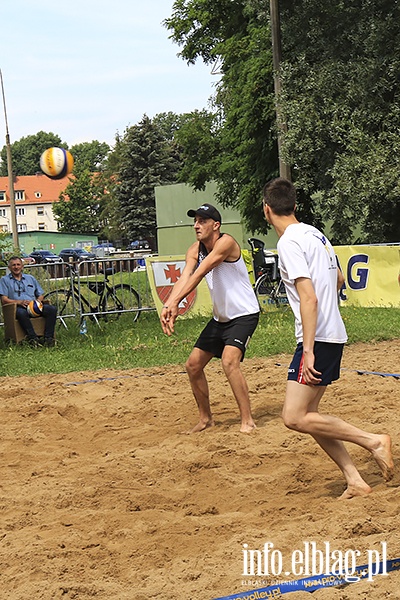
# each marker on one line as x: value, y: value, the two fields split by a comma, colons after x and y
x: 88, y: 69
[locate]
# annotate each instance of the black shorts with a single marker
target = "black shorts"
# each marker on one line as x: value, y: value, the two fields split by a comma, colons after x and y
x: 215, y: 336
x: 327, y: 361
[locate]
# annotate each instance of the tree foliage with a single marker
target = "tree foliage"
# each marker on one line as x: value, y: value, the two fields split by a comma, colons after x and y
x: 91, y: 155
x: 340, y: 97
x: 79, y: 206
x: 235, y: 143
x: 27, y: 151
x: 341, y: 91
x: 146, y: 159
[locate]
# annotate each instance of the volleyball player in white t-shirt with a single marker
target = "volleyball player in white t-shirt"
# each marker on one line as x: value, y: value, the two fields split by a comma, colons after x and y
x: 217, y: 258
x: 312, y: 279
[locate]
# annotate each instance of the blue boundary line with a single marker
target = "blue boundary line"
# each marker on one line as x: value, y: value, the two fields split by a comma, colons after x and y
x: 359, y: 371
x: 311, y: 584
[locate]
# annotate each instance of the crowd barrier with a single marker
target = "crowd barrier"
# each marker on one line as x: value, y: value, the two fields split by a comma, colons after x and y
x: 91, y: 288
x: 371, y: 274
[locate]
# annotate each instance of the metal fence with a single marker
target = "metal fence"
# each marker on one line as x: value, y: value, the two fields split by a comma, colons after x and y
x: 97, y: 289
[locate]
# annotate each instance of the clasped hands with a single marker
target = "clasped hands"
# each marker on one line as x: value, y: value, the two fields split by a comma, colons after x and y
x: 168, y: 318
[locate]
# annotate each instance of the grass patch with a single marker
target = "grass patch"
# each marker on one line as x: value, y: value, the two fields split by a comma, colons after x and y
x: 124, y: 344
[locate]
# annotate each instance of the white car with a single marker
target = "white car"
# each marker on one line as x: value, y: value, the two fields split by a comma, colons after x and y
x: 103, y: 249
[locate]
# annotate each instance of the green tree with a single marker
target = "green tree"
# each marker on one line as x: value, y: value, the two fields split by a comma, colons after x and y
x: 146, y: 160
x: 235, y: 143
x: 341, y: 89
x: 79, y: 206
x: 5, y: 247
x: 27, y: 151
x: 91, y: 155
x: 340, y: 98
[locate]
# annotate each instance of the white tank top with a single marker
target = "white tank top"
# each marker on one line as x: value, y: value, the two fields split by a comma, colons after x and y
x: 231, y: 292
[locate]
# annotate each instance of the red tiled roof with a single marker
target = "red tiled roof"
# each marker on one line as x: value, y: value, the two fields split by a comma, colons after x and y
x: 30, y: 184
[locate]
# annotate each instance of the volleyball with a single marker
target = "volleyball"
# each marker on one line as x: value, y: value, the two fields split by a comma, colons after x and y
x: 34, y: 308
x: 56, y: 163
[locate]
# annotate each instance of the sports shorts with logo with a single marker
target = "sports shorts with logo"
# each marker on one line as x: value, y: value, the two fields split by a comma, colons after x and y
x: 237, y: 332
x: 327, y: 361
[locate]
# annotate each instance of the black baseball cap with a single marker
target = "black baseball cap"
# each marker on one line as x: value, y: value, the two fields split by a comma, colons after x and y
x: 207, y: 211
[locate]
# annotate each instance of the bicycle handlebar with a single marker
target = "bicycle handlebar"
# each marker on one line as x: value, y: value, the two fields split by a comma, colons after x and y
x: 75, y: 272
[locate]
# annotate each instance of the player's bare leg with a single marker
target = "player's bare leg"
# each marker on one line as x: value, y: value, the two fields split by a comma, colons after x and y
x: 195, y: 365
x: 382, y: 453
x: 301, y: 414
x: 231, y: 357
x: 356, y: 486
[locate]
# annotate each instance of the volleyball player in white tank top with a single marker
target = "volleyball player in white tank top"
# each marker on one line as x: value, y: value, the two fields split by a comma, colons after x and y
x: 217, y: 258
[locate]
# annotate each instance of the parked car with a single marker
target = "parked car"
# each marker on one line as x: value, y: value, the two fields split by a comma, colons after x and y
x: 104, y: 248
x: 44, y: 256
x: 139, y: 245
x: 26, y: 259
x: 77, y: 254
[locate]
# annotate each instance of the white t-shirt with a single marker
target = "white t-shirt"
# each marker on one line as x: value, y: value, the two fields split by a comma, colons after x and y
x: 305, y: 252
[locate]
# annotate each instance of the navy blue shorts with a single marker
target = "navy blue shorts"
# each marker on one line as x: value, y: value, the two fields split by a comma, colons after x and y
x: 327, y: 361
x: 215, y: 336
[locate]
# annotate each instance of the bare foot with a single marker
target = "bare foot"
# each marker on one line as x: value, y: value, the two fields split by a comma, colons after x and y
x: 383, y: 457
x: 247, y: 427
x: 201, y: 426
x: 361, y: 489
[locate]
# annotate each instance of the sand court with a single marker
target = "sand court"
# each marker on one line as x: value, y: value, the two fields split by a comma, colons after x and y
x: 103, y: 497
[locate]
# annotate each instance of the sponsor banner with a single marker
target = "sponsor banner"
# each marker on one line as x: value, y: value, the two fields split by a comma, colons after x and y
x: 371, y: 274
x: 163, y: 272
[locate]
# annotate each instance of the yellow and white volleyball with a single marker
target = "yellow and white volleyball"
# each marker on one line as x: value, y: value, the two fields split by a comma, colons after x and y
x: 34, y: 308
x: 56, y: 163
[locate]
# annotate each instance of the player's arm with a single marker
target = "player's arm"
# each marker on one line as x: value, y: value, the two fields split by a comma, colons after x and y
x: 225, y: 247
x: 190, y: 266
x: 308, y: 312
x: 169, y: 311
x: 340, y: 279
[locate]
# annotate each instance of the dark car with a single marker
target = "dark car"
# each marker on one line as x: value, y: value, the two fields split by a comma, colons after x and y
x: 44, y: 256
x: 139, y: 245
x: 77, y: 254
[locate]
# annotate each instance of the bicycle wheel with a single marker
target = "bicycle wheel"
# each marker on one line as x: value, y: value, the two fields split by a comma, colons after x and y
x: 63, y: 300
x: 265, y: 291
x: 121, y: 298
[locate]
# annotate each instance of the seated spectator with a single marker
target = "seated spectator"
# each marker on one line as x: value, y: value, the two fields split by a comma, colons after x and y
x: 20, y: 288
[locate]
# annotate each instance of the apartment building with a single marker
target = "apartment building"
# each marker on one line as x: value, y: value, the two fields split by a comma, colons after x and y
x: 34, y: 198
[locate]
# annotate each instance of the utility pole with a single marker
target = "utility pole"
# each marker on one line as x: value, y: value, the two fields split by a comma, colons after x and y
x: 284, y: 168
x: 10, y: 175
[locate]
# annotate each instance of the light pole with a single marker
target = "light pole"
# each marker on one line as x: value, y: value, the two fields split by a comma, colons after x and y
x: 10, y: 174
x: 284, y: 168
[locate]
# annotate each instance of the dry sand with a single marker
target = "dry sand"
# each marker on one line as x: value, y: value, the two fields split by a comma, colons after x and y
x: 102, y: 496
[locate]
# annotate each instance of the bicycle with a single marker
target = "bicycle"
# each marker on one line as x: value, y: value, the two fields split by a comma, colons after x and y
x: 268, y: 287
x: 113, y: 300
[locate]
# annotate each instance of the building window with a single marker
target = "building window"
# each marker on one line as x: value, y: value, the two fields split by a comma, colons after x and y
x: 40, y: 210
x: 3, y: 227
x: 2, y: 196
x: 41, y: 226
x: 3, y: 212
x: 21, y: 227
x: 20, y: 212
x: 20, y: 195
